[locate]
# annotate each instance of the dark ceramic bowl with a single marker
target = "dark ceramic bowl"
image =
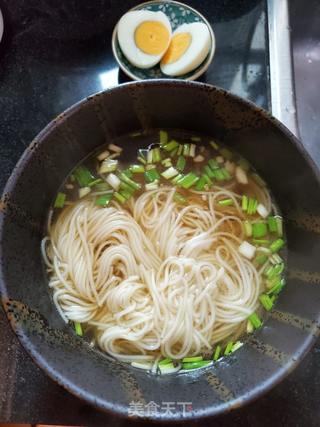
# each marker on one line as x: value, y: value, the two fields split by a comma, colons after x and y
x: 269, y: 355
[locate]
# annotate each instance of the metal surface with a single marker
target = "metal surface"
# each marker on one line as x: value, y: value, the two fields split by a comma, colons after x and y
x: 283, y: 103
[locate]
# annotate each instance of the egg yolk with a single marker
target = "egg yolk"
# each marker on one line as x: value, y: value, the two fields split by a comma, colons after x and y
x: 178, y: 46
x: 152, y: 37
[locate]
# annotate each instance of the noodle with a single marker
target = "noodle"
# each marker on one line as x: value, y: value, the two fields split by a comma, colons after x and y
x: 155, y: 278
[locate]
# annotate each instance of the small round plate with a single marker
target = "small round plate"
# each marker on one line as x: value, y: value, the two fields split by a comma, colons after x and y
x: 178, y: 14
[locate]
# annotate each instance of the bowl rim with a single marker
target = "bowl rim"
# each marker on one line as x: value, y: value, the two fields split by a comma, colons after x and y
x: 205, y: 64
x: 280, y: 373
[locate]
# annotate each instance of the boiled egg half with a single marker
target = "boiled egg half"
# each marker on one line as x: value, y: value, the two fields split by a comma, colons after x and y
x: 189, y: 46
x: 144, y: 36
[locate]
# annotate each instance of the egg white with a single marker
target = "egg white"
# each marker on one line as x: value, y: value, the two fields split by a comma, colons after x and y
x: 126, y: 29
x: 195, y: 54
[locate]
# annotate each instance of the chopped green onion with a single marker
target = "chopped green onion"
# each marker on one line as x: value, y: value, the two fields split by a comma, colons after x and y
x: 201, y: 183
x: 250, y: 327
x: 228, y: 348
x: 244, y: 164
x: 137, y: 168
x: 163, y: 137
x: 171, y: 145
x: 194, y: 365
x: 198, y: 159
x: 113, y: 181
x: 95, y: 182
x: 244, y: 203
x: 173, y: 153
x: 142, y: 160
x: 218, y: 174
x: 258, y: 180
x: 186, y: 149
x: 151, y: 175
x: 272, y: 224
x: 247, y: 228
x: 276, y: 259
x: 181, y: 163
x: 166, y: 369
x: 214, y: 145
x: 84, y: 191
x: 279, y: 225
x: 180, y: 149
x: 274, y: 271
x: 259, y: 229
x: 102, y: 186
x: 83, y: 176
x: 104, y: 200
x: 164, y: 361
x: 152, y: 185
x: 255, y: 320
x: 208, y: 180
x: 108, y: 166
x: 252, y: 206
x: 262, y: 242
x: 260, y: 259
x: 127, y: 173
x: 129, y: 181
x: 115, y: 148
x: 236, y: 346
x: 103, y: 155
x: 277, y: 287
x: 177, y: 178
x: 167, y: 162
x: 126, y: 187
x: 266, y: 301
x: 217, y: 353
x: 156, y: 155
x: 149, y: 156
x: 177, y: 197
x: 276, y: 245
x: 78, y: 328
x: 195, y: 138
x: 213, y: 164
x: 170, y: 173
x: 226, y: 175
x: 60, y: 200
x: 192, y: 359
x: 188, y: 180
x: 192, y: 151
x: 120, y: 197
x: 209, y: 171
x: 227, y: 154
x: 225, y: 202
x: 273, y: 281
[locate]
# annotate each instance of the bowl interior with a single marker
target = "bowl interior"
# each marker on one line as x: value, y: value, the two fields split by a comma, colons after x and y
x: 268, y: 355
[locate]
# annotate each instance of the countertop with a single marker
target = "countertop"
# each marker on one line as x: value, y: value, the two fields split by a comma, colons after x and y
x: 55, y: 53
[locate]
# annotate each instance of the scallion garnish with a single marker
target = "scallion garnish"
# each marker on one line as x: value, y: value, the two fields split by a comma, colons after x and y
x: 272, y: 224
x: 273, y: 282
x: 277, y: 287
x: 225, y: 202
x: 181, y: 163
x: 95, y: 182
x: 104, y: 200
x: 208, y: 180
x: 217, y: 353
x: 171, y: 145
x: 276, y: 245
x: 115, y: 148
x: 129, y: 181
x: 250, y: 327
x: 167, y: 162
x: 84, y: 191
x: 137, y: 168
x: 244, y: 203
x: 120, y: 197
x: 149, y: 156
x: 177, y: 178
x: 126, y: 187
x: 236, y: 346
x: 279, y: 225
x: 113, y: 181
x: 180, y: 150
x: 201, y: 183
x: 209, y: 171
x: 214, y: 145
x: 261, y: 242
x: 247, y: 228
x: 192, y: 359
x: 192, y: 151
x: 170, y: 173
x: 188, y: 180
x: 163, y: 136
x: 186, y: 149
x: 156, y: 155
x: 164, y: 361
x: 152, y: 185
x: 259, y: 229
x: 60, y: 200
x: 260, y: 259
x: 194, y: 365
x: 151, y: 175
x: 228, y: 348
x: 78, y: 328
x: 266, y: 301
x: 213, y: 164
x: 255, y: 320
x: 108, y: 166
x: 83, y: 176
